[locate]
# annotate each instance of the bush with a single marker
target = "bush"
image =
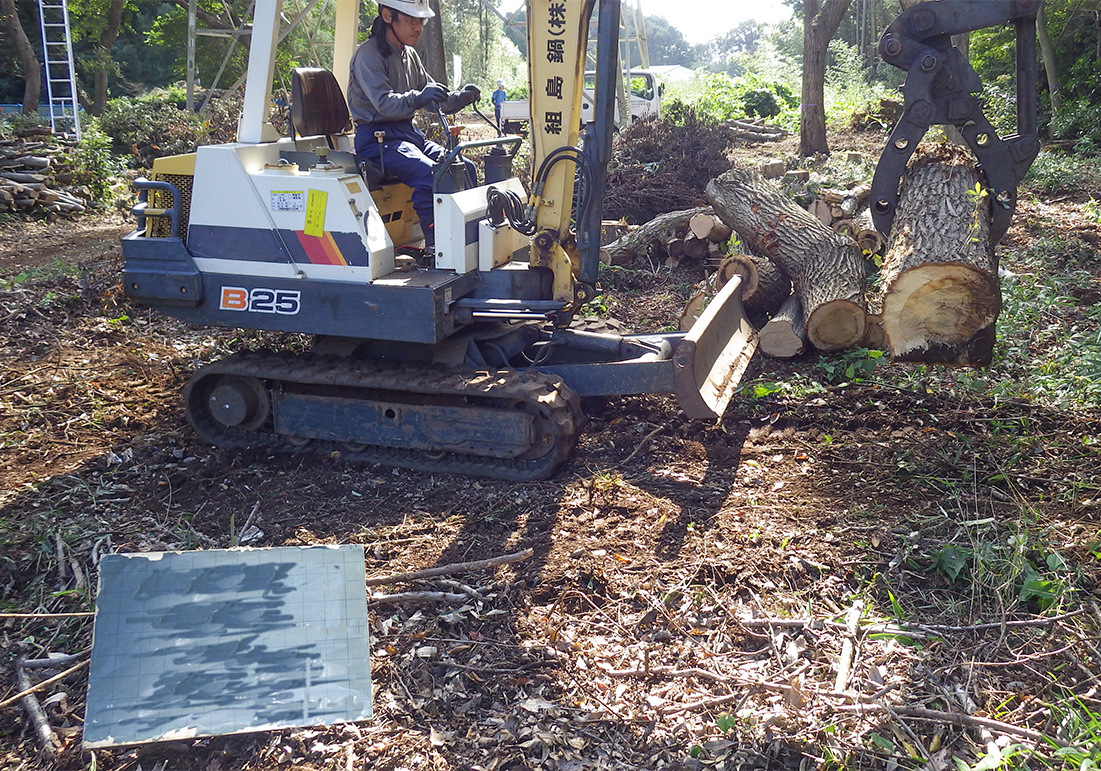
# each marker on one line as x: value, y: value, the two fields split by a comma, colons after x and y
x: 715, y: 98
x: 1080, y: 121
x: 151, y: 126
x: 95, y: 166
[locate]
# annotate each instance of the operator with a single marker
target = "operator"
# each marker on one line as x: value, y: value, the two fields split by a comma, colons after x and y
x: 387, y: 85
x: 499, y: 97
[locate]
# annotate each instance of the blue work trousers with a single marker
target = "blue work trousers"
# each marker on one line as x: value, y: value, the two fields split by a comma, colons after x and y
x: 409, y: 156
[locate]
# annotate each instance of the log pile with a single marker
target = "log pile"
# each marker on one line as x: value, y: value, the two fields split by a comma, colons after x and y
x: 672, y: 239
x: 36, y: 177
x: 755, y: 131
x: 938, y: 296
x: 805, y: 266
x: 826, y: 269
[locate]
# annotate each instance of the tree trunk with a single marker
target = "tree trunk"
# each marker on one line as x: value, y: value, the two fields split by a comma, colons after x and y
x: 710, y: 227
x: 773, y: 288
x: 820, y: 22
x: 32, y: 76
x: 431, y: 50
x: 825, y: 268
x: 1047, y: 52
x: 940, y: 286
x: 104, y: 62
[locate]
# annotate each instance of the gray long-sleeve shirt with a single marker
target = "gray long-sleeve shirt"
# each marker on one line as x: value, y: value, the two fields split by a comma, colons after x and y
x: 384, y: 88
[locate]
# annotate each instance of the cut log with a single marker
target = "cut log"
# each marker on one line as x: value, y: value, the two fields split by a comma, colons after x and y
x: 821, y: 211
x: 785, y: 334
x: 659, y: 230
x: 825, y: 268
x: 941, y: 295
x: 695, y: 248
x: 22, y: 177
x: 710, y: 227
x: 734, y: 265
x: 739, y: 265
x: 869, y: 241
x: 674, y: 248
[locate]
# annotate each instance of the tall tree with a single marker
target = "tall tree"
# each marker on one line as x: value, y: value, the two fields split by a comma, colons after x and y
x: 820, y: 22
x: 27, y: 59
x: 104, y: 64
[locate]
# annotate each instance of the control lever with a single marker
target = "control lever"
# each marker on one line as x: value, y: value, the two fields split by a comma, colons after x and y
x: 379, y: 137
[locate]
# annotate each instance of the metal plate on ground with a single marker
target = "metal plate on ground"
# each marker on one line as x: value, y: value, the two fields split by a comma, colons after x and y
x: 205, y: 643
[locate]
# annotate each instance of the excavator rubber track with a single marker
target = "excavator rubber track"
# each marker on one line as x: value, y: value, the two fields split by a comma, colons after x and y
x: 511, y: 425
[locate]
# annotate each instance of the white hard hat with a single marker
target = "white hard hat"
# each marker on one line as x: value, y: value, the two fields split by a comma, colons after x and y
x: 500, y: 82
x: 417, y: 8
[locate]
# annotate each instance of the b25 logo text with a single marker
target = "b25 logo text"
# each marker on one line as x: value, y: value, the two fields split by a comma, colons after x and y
x: 285, y: 301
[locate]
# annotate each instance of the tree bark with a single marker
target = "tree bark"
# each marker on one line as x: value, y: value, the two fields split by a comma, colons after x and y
x: 820, y: 22
x: 941, y: 295
x: 825, y: 268
x: 773, y: 288
x: 32, y: 76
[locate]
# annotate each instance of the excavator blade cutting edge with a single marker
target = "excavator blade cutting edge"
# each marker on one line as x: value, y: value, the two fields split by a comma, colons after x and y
x: 708, y: 364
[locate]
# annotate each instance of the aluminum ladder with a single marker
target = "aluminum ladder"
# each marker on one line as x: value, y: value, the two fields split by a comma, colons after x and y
x: 57, y: 50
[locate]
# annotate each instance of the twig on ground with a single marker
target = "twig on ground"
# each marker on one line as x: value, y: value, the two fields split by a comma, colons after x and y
x: 417, y: 597
x: 47, y: 615
x: 848, y: 647
x: 644, y: 441
x: 459, y: 567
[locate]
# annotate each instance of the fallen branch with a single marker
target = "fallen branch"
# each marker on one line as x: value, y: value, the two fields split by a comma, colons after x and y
x: 955, y: 718
x: 28, y: 689
x: 443, y: 570
x: 46, y: 736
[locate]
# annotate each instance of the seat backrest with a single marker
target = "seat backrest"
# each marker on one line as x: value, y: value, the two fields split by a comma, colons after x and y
x: 317, y: 103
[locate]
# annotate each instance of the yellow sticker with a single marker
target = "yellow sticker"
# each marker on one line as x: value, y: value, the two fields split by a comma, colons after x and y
x: 316, y: 201
x: 353, y: 187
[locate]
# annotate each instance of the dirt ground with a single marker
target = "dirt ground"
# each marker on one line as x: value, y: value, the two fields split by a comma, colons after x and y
x: 761, y: 592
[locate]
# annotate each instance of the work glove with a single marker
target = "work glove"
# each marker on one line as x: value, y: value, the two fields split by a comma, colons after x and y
x: 430, y: 94
x: 464, y: 97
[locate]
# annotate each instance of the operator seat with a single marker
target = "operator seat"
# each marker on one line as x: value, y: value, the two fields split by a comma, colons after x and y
x: 317, y: 104
x: 318, y: 108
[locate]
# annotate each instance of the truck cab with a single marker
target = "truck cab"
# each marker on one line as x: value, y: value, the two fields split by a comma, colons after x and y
x: 644, y: 98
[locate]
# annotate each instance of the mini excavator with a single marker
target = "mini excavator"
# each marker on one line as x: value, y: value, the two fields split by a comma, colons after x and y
x: 459, y: 360
x: 465, y: 358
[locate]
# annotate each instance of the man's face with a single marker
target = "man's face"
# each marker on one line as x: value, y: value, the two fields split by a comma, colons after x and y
x: 406, y: 29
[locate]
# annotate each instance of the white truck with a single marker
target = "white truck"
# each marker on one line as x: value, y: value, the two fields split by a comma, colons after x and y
x: 645, y: 99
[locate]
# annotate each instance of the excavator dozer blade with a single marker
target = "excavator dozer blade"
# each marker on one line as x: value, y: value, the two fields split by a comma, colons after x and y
x: 709, y: 362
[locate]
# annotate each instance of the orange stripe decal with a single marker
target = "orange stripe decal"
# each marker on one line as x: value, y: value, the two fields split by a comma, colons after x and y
x: 322, y: 250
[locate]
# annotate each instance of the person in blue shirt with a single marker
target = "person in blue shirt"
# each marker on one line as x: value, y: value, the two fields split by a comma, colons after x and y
x: 386, y: 87
x: 499, y: 97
